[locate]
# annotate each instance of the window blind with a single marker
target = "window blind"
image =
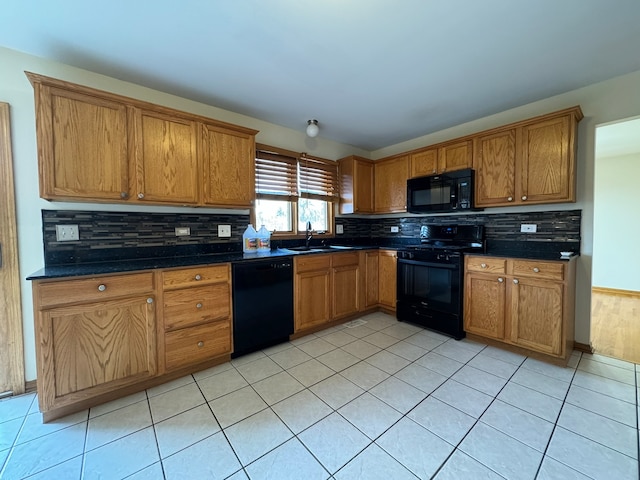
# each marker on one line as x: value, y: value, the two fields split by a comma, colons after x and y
x: 276, y: 173
x: 318, y: 178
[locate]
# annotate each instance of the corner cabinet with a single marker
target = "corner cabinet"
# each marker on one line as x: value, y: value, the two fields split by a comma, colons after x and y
x: 532, y: 162
x: 524, y: 303
x: 356, y: 185
x: 390, y: 181
x: 93, y: 336
x: 96, y: 146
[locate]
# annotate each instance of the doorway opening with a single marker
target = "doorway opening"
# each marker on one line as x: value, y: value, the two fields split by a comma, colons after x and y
x: 615, y: 296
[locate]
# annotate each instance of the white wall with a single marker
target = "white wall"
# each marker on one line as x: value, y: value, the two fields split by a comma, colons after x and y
x: 16, y: 90
x: 616, y: 262
x: 601, y: 103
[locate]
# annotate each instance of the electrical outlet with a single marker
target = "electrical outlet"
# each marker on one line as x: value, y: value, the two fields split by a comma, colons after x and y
x: 528, y: 228
x: 67, y: 233
x: 183, y: 231
x: 395, y: 229
x: 224, y: 231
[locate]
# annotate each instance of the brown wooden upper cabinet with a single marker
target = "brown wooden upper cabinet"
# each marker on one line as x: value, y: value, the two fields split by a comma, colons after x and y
x: 96, y: 146
x: 439, y: 159
x: 82, y: 145
x: 390, y: 179
x: 166, y: 160
x: 532, y: 162
x: 356, y: 185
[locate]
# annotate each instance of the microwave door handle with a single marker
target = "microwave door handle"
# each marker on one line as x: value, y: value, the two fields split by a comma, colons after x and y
x: 455, y: 195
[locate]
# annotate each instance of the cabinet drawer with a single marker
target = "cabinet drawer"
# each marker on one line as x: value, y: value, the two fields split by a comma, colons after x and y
x: 188, y: 306
x: 346, y: 258
x: 93, y: 289
x: 486, y: 264
x: 195, y: 276
x: 538, y: 269
x: 190, y: 346
x: 312, y: 262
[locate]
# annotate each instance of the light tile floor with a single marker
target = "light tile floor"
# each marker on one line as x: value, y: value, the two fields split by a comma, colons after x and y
x: 383, y: 400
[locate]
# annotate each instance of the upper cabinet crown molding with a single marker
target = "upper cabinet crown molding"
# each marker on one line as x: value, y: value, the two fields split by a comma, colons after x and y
x: 97, y: 146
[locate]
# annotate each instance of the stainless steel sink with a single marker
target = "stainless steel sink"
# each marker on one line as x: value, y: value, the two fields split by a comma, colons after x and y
x: 326, y: 248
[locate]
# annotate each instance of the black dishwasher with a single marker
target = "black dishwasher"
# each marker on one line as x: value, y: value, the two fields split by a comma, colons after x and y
x: 262, y: 303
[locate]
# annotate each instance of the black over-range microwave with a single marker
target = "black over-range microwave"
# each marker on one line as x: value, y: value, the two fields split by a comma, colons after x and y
x: 448, y: 192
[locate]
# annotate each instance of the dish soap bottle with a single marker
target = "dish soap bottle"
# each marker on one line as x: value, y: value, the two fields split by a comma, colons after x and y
x: 264, y: 239
x: 250, y: 240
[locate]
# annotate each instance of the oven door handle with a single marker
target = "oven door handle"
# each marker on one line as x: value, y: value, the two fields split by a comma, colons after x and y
x: 448, y: 266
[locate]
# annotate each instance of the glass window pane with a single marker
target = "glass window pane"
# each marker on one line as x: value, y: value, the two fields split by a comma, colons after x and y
x: 274, y: 214
x: 314, y: 211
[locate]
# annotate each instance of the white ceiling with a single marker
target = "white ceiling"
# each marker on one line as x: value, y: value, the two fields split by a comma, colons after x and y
x: 373, y: 72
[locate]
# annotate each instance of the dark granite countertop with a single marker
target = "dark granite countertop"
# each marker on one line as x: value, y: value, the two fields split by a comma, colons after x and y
x: 129, y: 265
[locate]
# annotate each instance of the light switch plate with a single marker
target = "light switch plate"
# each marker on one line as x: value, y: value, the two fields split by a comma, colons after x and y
x: 339, y: 229
x: 67, y: 233
x: 528, y: 228
x: 183, y: 231
x: 395, y: 229
x: 224, y: 231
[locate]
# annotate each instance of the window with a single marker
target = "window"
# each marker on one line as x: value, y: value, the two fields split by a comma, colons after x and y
x: 293, y: 189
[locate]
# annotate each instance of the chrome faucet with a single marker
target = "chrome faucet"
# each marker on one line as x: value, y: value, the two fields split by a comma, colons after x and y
x: 308, y: 234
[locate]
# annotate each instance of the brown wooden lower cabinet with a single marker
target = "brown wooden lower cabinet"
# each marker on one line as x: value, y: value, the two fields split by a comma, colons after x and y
x: 524, y: 303
x: 97, y: 336
x: 387, y: 278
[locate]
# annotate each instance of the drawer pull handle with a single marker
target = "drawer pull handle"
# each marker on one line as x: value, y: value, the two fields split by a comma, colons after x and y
x: 509, y: 199
x: 483, y: 265
x: 141, y: 196
x: 200, y: 344
x: 198, y: 305
x: 516, y: 281
x: 524, y: 197
x: 500, y: 279
x: 536, y: 269
x: 102, y: 287
x: 149, y: 300
x: 198, y: 277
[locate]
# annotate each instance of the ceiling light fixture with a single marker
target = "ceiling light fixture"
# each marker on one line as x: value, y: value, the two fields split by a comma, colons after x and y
x: 312, y: 128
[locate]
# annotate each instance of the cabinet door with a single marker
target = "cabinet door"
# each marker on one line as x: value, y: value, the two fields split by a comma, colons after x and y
x: 363, y: 187
x: 312, y: 296
x: 484, y: 306
x: 346, y: 291
x: 495, y: 165
x: 535, y: 316
x: 166, y: 161
x: 95, y: 347
x: 387, y: 278
x: 424, y: 163
x: 546, y: 170
x: 371, y: 290
x: 229, y: 167
x: 391, y: 185
x: 82, y: 146
x: 455, y: 156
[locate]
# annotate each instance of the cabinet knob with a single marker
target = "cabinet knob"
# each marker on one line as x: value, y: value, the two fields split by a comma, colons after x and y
x: 198, y: 277
x: 483, y: 265
x: 198, y: 305
x: 516, y: 281
x: 141, y: 195
x: 434, y: 171
x: 149, y: 300
x: 524, y: 197
x: 102, y: 287
x: 124, y: 194
x: 500, y: 279
x: 509, y: 199
x: 200, y: 344
x: 536, y: 269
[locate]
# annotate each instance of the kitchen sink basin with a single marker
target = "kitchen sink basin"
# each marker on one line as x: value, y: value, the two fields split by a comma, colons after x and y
x: 326, y: 248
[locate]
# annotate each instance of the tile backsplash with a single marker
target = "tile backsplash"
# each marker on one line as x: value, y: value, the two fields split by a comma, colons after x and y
x: 122, y: 235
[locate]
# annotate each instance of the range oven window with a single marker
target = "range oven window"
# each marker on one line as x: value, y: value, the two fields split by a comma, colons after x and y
x: 434, y: 286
